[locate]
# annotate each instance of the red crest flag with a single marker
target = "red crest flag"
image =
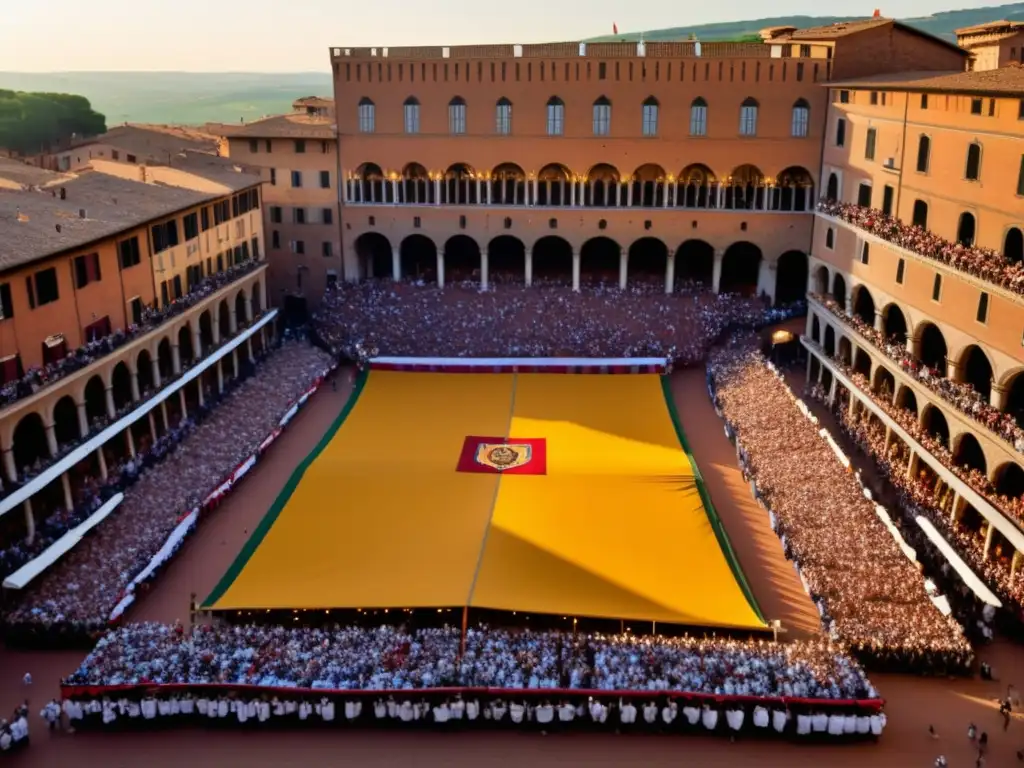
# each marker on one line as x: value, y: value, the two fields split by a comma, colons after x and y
x: 615, y: 28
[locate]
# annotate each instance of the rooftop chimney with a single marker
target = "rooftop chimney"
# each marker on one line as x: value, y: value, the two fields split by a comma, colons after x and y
x: 81, y: 213
x: 58, y: 227
x: 877, y: 14
x: 63, y: 194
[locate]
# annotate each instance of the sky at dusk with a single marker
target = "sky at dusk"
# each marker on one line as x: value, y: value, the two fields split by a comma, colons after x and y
x: 294, y: 35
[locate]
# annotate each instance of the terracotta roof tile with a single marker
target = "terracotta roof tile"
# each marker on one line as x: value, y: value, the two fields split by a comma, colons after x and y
x: 1005, y: 81
x: 297, y: 125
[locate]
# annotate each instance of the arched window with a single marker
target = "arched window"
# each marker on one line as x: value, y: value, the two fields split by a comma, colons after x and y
x: 924, y: 149
x: 973, y: 170
x: 556, y: 116
x: 965, y: 229
x: 830, y: 239
x: 920, y: 216
x: 412, y: 115
x: 366, y: 116
x: 1013, y: 245
x: 698, y: 117
x: 650, y: 117
x: 457, y: 116
x: 502, y: 117
x: 602, y: 117
x: 801, y: 118
x: 748, y: 117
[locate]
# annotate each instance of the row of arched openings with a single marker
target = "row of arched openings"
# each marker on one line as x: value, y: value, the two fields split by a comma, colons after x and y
x: 696, y: 186
x: 599, y: 261
x: 30, y: 444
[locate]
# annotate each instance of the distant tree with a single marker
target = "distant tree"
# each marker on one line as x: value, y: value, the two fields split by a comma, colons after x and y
x: 35, y: 122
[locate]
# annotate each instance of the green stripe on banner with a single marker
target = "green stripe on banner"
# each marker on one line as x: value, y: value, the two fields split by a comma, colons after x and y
x: 268, y: 520
x: 709, y: 507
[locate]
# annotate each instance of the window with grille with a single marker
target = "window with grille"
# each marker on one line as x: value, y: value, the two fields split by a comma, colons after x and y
x: 602, y: 117
x: 556, y: 117
x: 502, y: 117
x: 650, y: 117
x: 801, y: 119
x: 457, y: 116
x: 748, y: 118
x: 367, y: 116
x: 412, y: 115
x: 699, y: 117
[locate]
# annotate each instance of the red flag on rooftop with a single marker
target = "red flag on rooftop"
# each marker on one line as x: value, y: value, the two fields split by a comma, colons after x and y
x: 615, y: 28
x: 877, y: 14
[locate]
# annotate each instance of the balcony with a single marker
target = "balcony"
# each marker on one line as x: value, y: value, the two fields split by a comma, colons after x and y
x: 558, y: 188
x: 139, y: 409
x: 1010, y: 525
x: 970, y: 411
x: 85, y: 360
x: 987, y: 270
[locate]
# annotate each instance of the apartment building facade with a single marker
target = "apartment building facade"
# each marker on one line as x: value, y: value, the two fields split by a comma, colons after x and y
x: 122, y: 293
x: 296, y: 156
x: 944, y: 155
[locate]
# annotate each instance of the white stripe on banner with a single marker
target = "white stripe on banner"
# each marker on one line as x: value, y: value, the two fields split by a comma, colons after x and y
x: 289, y: 415
x: 162, y: 556
x: 243, y: 469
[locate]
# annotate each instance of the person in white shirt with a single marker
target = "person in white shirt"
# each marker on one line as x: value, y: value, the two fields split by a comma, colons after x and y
x: 669, y: 713
x: 651, y: 713
x: 472, y: 710
x: 516, y: 712
x: 441, y: 714
x: 353, y: 708
x: 566, y: 712
x: 545, y: 716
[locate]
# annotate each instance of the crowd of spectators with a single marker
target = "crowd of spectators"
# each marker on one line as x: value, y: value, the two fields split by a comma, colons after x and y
x: 409, y: 319
x: 39, y: 377
x: 397, y: 658
x: 869, y: 594
x: 960, y: 394
x: 94, y: 492
x: 77, y: 595
x: 983, y: 263
x: 935, y: 444
x: 924, y: 494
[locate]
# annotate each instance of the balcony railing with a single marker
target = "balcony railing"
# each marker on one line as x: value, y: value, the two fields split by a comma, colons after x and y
x: 960, y: 395
x: 983, y: 264
x: 763, y: 196
x: 972, y: 486
x: 136, y: 410
x: 37, y: 379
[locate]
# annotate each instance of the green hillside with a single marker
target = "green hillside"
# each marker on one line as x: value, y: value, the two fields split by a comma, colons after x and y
x: 177, y: 97
x: 220, y: 97
x: 938, y: 24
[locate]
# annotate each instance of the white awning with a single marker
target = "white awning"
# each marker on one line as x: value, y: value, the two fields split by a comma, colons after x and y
x: 976, y: 585
x: 21, y: 577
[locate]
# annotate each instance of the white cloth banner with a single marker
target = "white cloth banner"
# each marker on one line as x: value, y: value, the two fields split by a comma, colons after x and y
x: 161, y: 557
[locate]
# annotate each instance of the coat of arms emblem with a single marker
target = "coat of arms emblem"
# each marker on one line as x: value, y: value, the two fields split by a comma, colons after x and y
x: 503, y: 456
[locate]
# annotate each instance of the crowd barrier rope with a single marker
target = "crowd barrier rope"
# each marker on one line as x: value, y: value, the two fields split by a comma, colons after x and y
x: 188, y: 520
x: 865, y: 706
